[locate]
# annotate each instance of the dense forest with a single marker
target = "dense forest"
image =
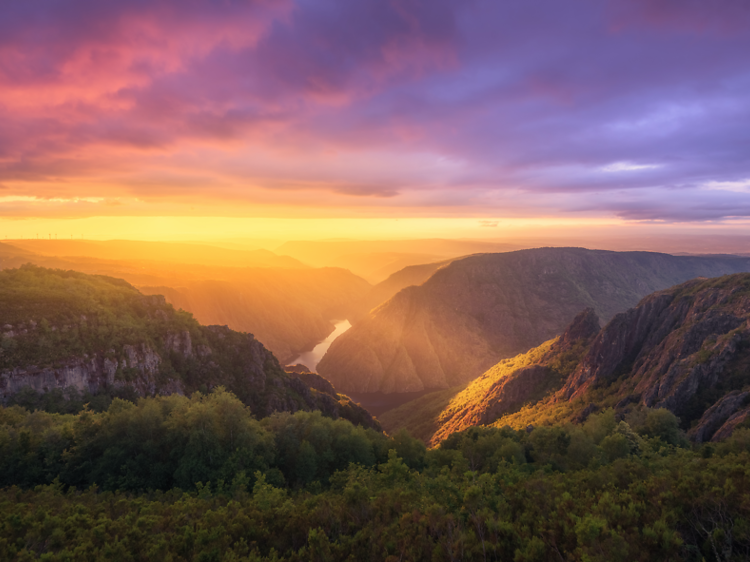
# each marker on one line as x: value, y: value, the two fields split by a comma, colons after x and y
x: 200, y: 478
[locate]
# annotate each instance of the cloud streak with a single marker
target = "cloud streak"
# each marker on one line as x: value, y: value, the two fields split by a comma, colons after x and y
x: 621, y: 108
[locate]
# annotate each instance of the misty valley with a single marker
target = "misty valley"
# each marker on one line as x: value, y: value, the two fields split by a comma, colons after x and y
x: 539, y: 404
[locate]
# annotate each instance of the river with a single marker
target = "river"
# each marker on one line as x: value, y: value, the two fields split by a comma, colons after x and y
x: 310, y: 359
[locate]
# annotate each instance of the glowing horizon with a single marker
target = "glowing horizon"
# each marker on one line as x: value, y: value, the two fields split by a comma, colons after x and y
x: 119, y: 120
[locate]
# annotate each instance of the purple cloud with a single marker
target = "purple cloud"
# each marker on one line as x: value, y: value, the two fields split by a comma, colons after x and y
x: 627, y: 108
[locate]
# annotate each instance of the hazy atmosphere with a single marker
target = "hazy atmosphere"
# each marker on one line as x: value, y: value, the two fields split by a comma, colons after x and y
x: 375, y: 280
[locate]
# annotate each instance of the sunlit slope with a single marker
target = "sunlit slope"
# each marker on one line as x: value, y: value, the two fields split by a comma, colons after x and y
x: 287, y: 310
x: 483, y: 308
x: 172, y: 252
x: 503, y: 389
x: 686, y: 349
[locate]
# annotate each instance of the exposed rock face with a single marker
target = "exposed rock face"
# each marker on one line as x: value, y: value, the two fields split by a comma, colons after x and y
x: 732, y: 422
x: 93, y: 374
x: 685, y: 349
x: 719, y: 414
x: 480, y: 309
x: 531, y: 383
x: 514, y: 388
x: 617, y: 345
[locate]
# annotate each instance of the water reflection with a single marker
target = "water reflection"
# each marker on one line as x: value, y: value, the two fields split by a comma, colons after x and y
x: 310, y: 359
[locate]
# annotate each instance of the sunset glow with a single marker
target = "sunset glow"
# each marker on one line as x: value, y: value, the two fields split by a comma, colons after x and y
x: 616, y: 112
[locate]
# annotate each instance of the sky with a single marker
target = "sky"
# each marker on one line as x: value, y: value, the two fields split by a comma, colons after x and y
x: 458, y: 114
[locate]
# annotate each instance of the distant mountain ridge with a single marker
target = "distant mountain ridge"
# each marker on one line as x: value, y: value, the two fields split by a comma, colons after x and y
x: 376, y: 260
x: 64, y: 329
x: 170, y: 252
x: 479, y: 309
x: 385, y: 290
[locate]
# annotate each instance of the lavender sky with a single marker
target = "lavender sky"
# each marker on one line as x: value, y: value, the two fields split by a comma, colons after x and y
x: 634, y: 110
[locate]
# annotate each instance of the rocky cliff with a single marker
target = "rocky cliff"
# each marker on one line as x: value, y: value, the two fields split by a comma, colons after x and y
x: 477, y: 310
x: 686, y: 349
x: 61, y: 330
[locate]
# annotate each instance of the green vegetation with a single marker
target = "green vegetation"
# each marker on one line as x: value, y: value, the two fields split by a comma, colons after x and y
x: 169, y: 441
x: 103, y: 337
x: 426, y: 415
x: 51, y: 315
x: 175, y: 478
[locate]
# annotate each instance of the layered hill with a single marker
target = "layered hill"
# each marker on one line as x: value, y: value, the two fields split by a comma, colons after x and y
x: 385, y: 290
x: 686, y: 349
x: 376, y: 260
x: 169, y: 252
x: 64, y: 329
x: 477, y: 310
x: 288, y: 309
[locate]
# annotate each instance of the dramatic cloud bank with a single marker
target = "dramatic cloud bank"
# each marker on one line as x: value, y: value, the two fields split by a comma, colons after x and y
x: 636, y: 109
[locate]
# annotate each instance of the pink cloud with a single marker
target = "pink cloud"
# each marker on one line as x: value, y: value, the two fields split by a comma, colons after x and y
x: 443, y: 104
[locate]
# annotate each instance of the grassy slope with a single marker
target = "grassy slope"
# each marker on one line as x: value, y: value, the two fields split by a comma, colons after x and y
x: 435, y: 413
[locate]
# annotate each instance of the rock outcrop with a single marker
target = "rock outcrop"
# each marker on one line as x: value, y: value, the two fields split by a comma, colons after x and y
x: 477, y: 310
x: 717, y: 416
x: 686, y: 349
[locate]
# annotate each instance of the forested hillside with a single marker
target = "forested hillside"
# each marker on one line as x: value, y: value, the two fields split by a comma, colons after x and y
x: 299, y: 487
x: 228, y: 465
x: 288, y: 307
x: 71, y: 334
